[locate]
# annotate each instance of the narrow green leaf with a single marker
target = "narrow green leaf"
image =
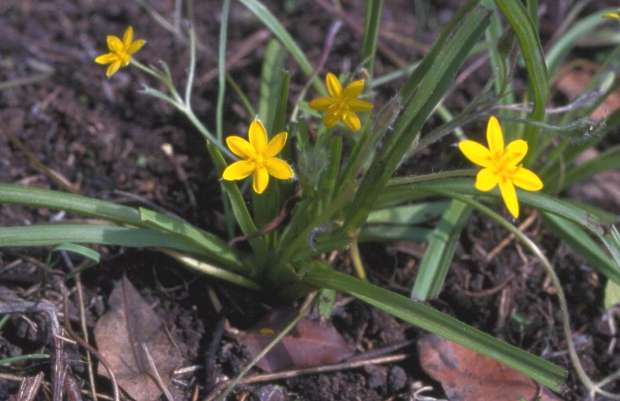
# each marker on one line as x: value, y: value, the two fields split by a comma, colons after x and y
x: 433, y: 84
x: 427, y: 318
x: 20, y: 358
x: 438, y: 257
x: 409, y: 214
x: 539, y: 200
x: 271, y: 81
x: 532, y: 51
x: 372, y: 23
x: 567, y: 41
x: 580, y: 242
x: 81, y: 205
x: 209, y: 243
x: 57, y: 234
x: 391, y: 233
x: 79, y: 250
x: 272, y: 23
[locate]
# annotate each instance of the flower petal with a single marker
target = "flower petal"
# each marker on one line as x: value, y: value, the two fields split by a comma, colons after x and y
x: 128, y: 36
x: 354, y: 89
x: 509, y: 194
x: 238, y: 170
x: 136, y: 46
x: 486, y: 180
x: 331, y: 118
x: 115, y: 44
x: 322, y: 103
x: 359, y: 105
x: 495, y: 136
x: 515, y: 151
x: 334, y: 87
x: 113, y: 68
x: 240, y: 147
x: 276, y: 144
x: 475, y: 152
x: 260, y: 180
x: 527, y: 179
x: 258, y: 136
x: 106, y: 58
x: 279, y: 168
x: 352, y: 121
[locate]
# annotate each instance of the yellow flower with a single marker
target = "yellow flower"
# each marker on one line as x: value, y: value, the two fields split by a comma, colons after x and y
x: 120, y: 52
x: 613, y: 15
x: 258, y: 157
x: 501, y: 165
x: 341, y: 104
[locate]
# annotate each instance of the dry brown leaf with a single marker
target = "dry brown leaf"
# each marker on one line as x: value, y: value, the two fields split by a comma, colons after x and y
x: 469, y: 376
x: 121, y: 335
x: 572, y: 82
x: 311, y: 343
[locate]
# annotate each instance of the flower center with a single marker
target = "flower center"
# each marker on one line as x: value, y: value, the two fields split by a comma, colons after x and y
x: 259, y: 160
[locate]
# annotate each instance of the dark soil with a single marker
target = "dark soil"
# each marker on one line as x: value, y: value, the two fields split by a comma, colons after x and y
x: 106, y: 140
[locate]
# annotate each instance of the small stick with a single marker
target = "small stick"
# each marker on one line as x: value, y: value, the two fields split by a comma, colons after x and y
x: 29, y: 387
x: 500, y: 247
x: 287, y: 374
x: 156, y: 374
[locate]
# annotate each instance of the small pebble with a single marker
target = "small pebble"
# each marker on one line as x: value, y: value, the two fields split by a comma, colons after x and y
x: 397, y: 378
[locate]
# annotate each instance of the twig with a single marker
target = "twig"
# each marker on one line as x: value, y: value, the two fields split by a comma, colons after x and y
x: 524, y: 226
x: 305, y: 307
x: 155, y: 373
x: 287, y: 374
x: 29, y: 387
x: 91, y: 349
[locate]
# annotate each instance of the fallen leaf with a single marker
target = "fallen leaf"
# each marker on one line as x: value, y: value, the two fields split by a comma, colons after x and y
x: 573, y: 82
x: 310, y: 343
x: 122, y: 335
x: 466, y: 375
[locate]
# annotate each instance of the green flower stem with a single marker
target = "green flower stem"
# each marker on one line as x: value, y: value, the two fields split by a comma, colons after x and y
x: 356, y: 258
x: 594, y: 388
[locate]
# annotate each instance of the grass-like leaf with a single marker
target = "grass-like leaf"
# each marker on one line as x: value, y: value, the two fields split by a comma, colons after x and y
x: 439, y: 253
x: 272, y: 23
x: 16, y: 194
x: 583, y: 244
x: 427, y: 318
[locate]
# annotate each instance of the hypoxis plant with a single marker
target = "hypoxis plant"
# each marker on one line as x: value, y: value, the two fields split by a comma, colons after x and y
x: 337, y: 182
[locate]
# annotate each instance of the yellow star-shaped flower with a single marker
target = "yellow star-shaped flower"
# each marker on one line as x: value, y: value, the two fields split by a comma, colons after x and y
x: 121, y: 51
x: 258, y: 157
x: 342, y: 104
x: 501, y: 166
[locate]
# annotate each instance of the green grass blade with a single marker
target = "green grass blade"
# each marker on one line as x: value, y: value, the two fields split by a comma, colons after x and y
x: 79, y: 250
x: 372, y: 23
x: 408, y: 214
x: 427, y: 318
x: 440, y: 251
x: 532, y: 51
x: 81, y: 205
x: 271, y: 80
x: 567, y: 41
x: 391, y: 233
x: 583, y: 244
x: 57, y: 234
x: 272, y: 23
x: 433, y: 85
x: 595, y: 222
x: 211, y: 245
